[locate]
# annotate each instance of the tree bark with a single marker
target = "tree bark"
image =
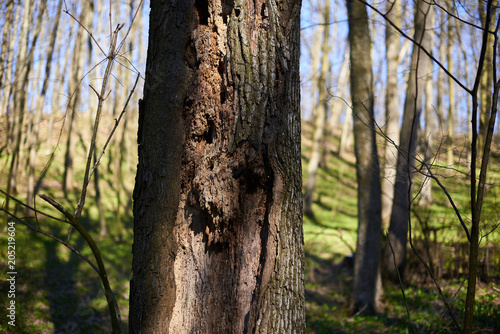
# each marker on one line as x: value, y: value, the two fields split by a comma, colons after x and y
x: 367, y: 288
x: 218, y: 244
x: 400, y: 215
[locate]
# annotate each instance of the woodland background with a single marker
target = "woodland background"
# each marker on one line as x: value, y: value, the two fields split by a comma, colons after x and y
x: 50, y: 72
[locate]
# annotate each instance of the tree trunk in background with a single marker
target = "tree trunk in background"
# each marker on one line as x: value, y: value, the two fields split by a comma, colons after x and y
x: 428, y: 143
x: 367, y: 289
x: 218, y: 244
x: 102, y: 219
x: 11, y: 76
x: 330, y: 116
x: 120, y: 145
x: 5, y: 50
x: 346, y: 136
x: 337, y: 105
x: 58, y: 90
x: 34, y: 143
x: 469, y: 102
x: 486, y: 78
x: 392, y: 114
x: 29, y: 86
x: 441, y: 75
x: 315, y: 52
x: 429, y: 133
x: 18, y: 101
x: 320, y: 115
x: 75, y: 76
x: 400, y: 215
x: 451, y: 92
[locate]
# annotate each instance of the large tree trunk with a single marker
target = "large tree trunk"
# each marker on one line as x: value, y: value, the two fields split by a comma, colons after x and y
x: 395, y: 250
x: 367, y: 289
x: 218, y: 244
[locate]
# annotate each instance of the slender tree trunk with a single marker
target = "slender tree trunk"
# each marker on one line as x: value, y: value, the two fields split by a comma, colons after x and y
x: 429, y: 132
x: 218, y: 245
x: 478, y: 187
x: 367, y: 288
x: 469, y: 102
x: 337, y: 104
x: 346, y: 136
x: 7, y: 105
x: 102, y: 219
x: 19, y: 102
x: 392, y: 113
x: 320, y: 114
x: 58, y: 88
x: 76, y: 74
x: 315, y: 53
x: 400, y: 215
x: 34, y: 143
x: 5, y: 50
x: 451, y: 92
x: 428, y: 143
x: 440, y: 90
x: 486, y: 78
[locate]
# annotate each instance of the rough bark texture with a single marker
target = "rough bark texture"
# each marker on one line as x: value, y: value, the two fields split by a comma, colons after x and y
x: 395, y: 258
x: 218, y: 245
x: 367, y: 289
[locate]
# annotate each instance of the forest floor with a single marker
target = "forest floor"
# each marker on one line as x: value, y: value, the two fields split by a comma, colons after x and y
x: 57, y: 292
